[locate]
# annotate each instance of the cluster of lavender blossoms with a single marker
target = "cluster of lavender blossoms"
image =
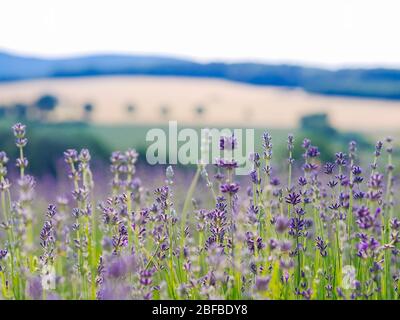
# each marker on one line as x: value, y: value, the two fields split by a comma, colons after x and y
x: 318, y: 231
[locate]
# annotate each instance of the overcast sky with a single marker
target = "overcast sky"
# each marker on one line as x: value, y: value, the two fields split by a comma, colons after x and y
x: 318, y: 32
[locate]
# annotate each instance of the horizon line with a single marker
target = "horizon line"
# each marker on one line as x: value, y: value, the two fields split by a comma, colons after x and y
x: 292, y: 62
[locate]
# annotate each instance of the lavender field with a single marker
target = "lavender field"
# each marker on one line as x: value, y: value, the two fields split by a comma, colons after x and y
x: 313, y: 230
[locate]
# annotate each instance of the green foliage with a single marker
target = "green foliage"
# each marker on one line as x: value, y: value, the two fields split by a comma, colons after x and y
x: 47, y: 144
x: 47, y: 102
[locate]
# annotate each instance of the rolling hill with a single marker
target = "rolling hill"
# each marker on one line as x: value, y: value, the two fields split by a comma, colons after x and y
x: 365, y: 83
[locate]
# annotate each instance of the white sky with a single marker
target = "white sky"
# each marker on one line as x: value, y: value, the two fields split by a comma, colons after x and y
x: 319, y: 32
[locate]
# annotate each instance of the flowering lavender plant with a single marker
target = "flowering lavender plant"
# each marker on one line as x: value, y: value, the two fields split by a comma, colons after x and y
x: 330, y: 231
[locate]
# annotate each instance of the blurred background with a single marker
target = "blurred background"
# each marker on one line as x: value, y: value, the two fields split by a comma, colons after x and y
x: 99, y: 74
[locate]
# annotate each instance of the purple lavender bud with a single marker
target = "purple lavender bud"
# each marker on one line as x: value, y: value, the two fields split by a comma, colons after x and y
x: 266, y: 138
x: 378, y: 148
x: 312, y: 152
x: 332, y: 183
x: 300, y: 211
x: 395, y: 224
x: 262, y: 283
x: 255, y: 158
x: 146, y: 277
x: 3, y: 253
x: 81, y: 194
x: 3, y: 158
x: 226, y: 164
x: 285, y: 246
x: 117, y: 268
x: 306, y: 143
x: 19, y: 130
x: 321, y: 246
x: 356, y: 170
x: 281, y: 224
x: 376, y: 181
x: 120, y: 240
x: 290, y: 142
x: 254, y: 177
x: 27, y: 183
x: 84, y: 155
x: 21, y: 142
x: 131, y: 156
x: 71, y: 156
x: 328, y: 168
x: 302, y: 181
x: 51, y: 211
x: 22, y: 163
x: 35, y: 289
x: 293, y: 198
x: 260, y: 243
x: 275, y: 182
x: 296, y: 227
x: 352, y: 148
x: 273, y: 244
x: 227, y: 142
x: 231, y: 188
x: 340, y: 159
x: 5, y: 184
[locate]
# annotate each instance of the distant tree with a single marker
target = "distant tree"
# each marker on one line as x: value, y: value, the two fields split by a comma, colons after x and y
x: 130, y: 108
x: 20, y: 110
x: 3, y: 111
x: 200, y: 110
x: 317, y: 122
x: 164, y: 110
x: 45, y: 104
x: 88, y: 110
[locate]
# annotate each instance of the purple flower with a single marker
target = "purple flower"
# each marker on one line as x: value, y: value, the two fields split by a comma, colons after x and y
x: 293, y: 198
x: 340, y: 159
x: 290, y: 141
x: 51, y: 211
x: 378, y: 148
x: 226, y: 164
x: 365, y: 219
x: 19, y: 130
x: 296, y: 226
x: 22, y: 163
x: 35, y: 289
x: 275, y: 181
x: 285, y: 246
x: 321, y: 246
x: 306, y: 143
x: 227, y: 142
x: 356, y: 170
x: 117, y: 268
x: 5, y: 184
x: 262, y: 283
x: 3, y: 253
x: 84, y: 155
x: 231, y: 188
x: 254, y: 177
x: 312, y: 152
x: 302, y: 181
x: 376, y: 181
x: 120, y: 240
x: 3, y: 158
x: 281, y: 224
x: 395, y: 224
x: 255, y: 157
x: 146, y: 277
x: 328, y: 168
x: 71, y: 156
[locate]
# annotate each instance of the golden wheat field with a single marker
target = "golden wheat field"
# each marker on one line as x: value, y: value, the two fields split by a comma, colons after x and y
x: 199, y: 101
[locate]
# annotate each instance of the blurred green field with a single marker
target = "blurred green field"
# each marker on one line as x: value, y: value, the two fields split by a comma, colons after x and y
x: 49, y: 140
